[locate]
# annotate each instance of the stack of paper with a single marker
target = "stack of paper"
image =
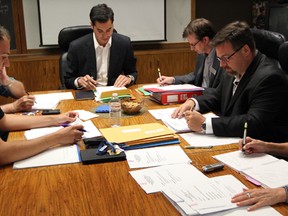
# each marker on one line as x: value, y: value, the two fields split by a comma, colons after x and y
x: 172, y: 93
x: 153, y: 134
x: 262, y: 169
x: 51, y: 100
x: 105, y: 92
x: 172, y: 88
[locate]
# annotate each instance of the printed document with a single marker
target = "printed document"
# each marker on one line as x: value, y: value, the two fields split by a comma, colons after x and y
x: 239, y: 161
x: 205, y: 196
x: 150, y: 157
x: 154, y: 179
x: 199, y: 139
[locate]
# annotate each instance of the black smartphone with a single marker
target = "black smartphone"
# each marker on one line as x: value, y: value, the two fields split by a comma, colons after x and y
x: 51, y: 112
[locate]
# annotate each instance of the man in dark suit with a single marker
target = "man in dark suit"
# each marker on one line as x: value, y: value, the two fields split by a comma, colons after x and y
x: 207, y: 72
x: 252, y: 90
x: 102, y: 57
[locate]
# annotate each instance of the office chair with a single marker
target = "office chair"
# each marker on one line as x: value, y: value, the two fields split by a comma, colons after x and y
x: 65, y: 37
x: 283, y: 56
x: 268, y: 42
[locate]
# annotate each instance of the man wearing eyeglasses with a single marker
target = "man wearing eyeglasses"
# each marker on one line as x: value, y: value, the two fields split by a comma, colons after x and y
x: 253, y: 90
x: 207, y: 72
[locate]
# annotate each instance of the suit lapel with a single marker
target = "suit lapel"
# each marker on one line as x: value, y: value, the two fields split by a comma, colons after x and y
x: 243, y: 82
x: 227, y: 93
x: 91, y: 57
x: 199, y: 77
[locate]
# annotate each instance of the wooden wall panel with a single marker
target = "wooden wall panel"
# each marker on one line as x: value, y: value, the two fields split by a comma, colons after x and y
x: 41, y: 71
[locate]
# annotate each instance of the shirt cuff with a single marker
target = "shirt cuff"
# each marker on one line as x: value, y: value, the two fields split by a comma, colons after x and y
x: 209, y: 128
x: 76, y: 83
x: 196, y: 107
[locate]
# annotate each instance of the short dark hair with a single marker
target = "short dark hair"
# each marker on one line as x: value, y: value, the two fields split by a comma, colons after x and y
x: 4, y: 33
x: 238, y: 33
x: 101, y: 13
x: 201, y: 28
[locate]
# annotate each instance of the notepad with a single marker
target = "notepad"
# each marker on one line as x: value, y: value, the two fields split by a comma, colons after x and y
x: 85, y: 95
x: 52, y: 156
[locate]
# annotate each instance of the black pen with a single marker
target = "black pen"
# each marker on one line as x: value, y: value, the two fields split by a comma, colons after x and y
x: 29, y: 94
x: 244, y: 136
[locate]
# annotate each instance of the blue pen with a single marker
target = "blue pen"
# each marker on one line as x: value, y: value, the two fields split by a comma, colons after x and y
x: 113, y: 149
x: 67, y: 125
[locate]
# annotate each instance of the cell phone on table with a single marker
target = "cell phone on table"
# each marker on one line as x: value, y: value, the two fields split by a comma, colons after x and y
x: 51, y: 112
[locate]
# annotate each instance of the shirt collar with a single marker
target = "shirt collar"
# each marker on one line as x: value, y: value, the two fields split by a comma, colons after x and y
x: 96, y: 44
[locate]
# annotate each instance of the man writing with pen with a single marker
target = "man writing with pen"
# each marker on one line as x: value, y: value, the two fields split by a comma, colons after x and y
x: 10, y: 87
x: 101, y: 58
x: 252, y: 90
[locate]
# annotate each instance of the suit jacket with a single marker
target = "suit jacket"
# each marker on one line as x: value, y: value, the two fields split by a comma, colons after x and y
x: 82, y: 59
x: 260, y: 100
x: 196, y: 77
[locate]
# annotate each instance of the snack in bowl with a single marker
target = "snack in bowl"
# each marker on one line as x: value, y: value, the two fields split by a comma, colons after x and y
x: 131, y: 107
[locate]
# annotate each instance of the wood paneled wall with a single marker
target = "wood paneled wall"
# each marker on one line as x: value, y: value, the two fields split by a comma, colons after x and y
x: 40, y: 71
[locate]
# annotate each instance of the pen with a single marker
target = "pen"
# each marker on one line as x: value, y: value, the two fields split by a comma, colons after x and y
x: 29, y: 94
x: 111, y: 146
x: 198, y: 147
x: 67, y: 125
x: 244, y: 136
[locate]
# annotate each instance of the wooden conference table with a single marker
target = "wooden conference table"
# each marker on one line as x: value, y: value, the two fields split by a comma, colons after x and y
x: 97, y: 189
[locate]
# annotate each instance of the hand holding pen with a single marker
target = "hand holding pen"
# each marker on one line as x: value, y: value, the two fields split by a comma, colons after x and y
x: 87, y: 82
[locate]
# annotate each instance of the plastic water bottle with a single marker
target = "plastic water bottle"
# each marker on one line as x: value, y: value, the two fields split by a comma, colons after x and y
x: 115, y: 110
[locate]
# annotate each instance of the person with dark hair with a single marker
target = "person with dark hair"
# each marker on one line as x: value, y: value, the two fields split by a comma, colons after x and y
x: 199, y: 33
x: 251, y: 91
x: 101, y: 58
x: 9, y: 87
x: 264, y: 196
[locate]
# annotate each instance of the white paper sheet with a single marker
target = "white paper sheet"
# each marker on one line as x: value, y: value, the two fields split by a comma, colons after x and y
x: 205, y: 196
x: 149, y: 157
x: 200, y: 140
x: 239, y: 161
x: 53, y: 156
x: 50, y: 100
x: 154, y: 179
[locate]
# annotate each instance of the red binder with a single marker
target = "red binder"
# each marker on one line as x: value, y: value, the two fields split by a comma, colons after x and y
x: 173, y: 97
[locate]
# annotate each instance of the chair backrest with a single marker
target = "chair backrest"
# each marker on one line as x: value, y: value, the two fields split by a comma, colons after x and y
x: 283, y: 56
x: 268, y: 42
x: 65, y: 37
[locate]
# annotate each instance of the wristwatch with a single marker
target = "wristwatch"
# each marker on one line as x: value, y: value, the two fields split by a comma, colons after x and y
x: 203, y: 126
x: 132, y: 78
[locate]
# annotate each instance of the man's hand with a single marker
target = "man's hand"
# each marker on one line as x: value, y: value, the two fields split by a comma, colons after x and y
x: 122, y: 81
x: 194, y: 120
x: 179, y: 112
x: 165, y: 80
x: 87, y: 82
